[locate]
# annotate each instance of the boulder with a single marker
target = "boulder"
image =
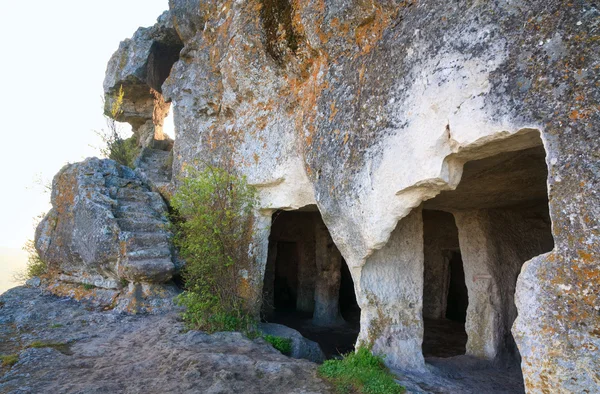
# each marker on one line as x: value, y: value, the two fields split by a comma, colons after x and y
x: 106, y: 229
x: 301, y: 347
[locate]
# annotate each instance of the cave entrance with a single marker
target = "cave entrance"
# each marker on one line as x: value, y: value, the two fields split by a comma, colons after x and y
x: 496, y: 220
x: 445, y: 297
x: 458, y: 299
x: 307, y: 284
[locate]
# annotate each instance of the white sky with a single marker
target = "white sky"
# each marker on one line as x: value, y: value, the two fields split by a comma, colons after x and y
x: 54, y: 55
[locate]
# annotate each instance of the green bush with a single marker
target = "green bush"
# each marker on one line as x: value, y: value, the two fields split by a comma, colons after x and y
x: 35, y: 265
x: 213, y: 230
x: 360, y: 372
x: 122, y: 150
x: 284, y: 345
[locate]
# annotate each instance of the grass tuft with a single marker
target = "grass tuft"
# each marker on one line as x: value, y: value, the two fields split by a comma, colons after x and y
x: 64, y: 348
x: 360, y: 372
x: 284, y: 345
x: 9, y: 360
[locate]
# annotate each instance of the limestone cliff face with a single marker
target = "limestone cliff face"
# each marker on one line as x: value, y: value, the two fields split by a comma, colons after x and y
x: 368, y: 109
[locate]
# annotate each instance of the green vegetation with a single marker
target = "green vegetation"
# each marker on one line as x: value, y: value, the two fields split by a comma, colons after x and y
x: 57, y: 325
x: 9, y: 360
x: 213, y: 230
x: 87, y: 286
x: 284, y: 345
x: 35, y: 265
x: 122, y: 150
x: 64, y: 348
x: 360, y: 372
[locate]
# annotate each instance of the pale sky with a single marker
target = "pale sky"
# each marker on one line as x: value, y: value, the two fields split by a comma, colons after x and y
x: 54, y: 55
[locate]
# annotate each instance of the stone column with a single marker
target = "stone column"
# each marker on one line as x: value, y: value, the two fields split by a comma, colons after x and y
x: 494, y: 244
x: 391, y: 297
x: 327, y: 292
x: 484, y: 314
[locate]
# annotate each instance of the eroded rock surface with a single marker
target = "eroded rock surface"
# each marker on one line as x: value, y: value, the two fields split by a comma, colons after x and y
x: 107, y: 231
x: 367, y: 109
x: 139, y: 68
x: 99, y: 352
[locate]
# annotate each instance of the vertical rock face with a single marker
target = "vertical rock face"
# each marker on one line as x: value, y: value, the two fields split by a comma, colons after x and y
x: 367, y: 109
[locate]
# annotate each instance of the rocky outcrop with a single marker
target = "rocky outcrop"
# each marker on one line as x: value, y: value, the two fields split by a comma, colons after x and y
x: 368, y: 110
x: 79, y: 350
x: 140, y: 67
x: 106, y: 229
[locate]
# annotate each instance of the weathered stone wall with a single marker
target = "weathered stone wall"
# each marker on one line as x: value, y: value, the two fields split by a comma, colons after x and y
x: 367, y: 109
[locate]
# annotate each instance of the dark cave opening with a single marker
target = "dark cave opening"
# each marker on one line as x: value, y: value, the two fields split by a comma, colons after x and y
x: 285, y: 287
x: 307, y: 284
x: 488, y: 227
x: 276, y: 17
x: 445, y: 297
x: 160, y: 61
x: 458, y: 298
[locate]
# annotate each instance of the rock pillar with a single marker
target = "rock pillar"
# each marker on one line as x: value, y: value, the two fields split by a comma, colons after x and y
x: 483, y: 325
x: 391, y: 296
x: 494, y: 244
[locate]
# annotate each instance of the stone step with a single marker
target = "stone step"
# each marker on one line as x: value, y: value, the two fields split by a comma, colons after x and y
x: 149, y: 254
x: 138, y: 225
x: 132, y: 206
x: 127, y: 194
x: 145, y: 240
x: 153, y: 165
x: 138, y: 215
x: 152, y: 269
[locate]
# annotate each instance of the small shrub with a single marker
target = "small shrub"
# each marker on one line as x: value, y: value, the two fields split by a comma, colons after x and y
x: 35, y: 265
x: 122, y: 150
x: 9, y: 360
x: 87, y: 286
x: 57, y: 325
x: 284, y: 345
x: 213, y: 230
x: 360, y: 372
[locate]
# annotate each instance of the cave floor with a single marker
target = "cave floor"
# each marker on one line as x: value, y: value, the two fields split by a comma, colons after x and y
x: 444, y: 338
x: 451, y: 371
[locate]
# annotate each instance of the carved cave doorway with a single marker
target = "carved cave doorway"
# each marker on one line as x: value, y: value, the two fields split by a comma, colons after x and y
x: 445, y: 295
x: 496, y: 220
x: 307, y: 284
